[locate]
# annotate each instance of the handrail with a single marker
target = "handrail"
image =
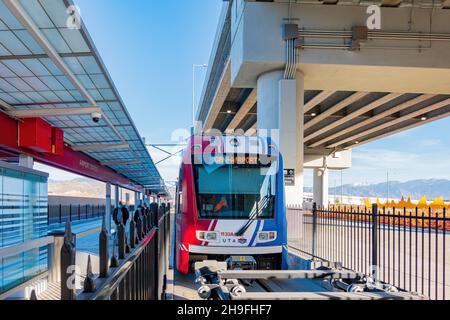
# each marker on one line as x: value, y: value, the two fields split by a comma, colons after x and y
x: 142, y: 266
x: 37, y: 243
x: 27, y: 246
x: 135, y: 270
x: 107, y: 286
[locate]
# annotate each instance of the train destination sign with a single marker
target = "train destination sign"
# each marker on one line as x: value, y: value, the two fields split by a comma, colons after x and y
x: 233, y: 159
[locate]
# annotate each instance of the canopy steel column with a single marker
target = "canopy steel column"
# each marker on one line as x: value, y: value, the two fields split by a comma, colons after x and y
x: 137, y: 200
x: 127, y: 200
x: 320, y: 187
x: 281, y: 116
x: 116, y: 196
x: 26, y: 161
x: 108, y: 207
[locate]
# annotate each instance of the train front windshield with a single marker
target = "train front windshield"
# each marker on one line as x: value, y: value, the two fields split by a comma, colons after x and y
x: 234, y: 192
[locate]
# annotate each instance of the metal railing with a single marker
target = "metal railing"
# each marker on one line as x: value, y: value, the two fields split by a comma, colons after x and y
x: 74, y: 212
x: 60, y: 213
x: 403, y: 247
x: 137, y: 267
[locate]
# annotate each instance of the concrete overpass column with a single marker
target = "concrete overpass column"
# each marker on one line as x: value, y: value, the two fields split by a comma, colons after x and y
x: 281, y: 116
x: 320, y: 187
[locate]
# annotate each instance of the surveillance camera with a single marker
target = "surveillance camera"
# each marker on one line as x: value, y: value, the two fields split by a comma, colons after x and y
x: 96, y: 116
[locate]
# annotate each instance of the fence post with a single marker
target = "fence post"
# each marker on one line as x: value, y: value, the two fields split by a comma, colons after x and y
x: 149, y: 219
x: 104, y: 248
x: 114, y: 261
x: 374, y: 240
x: 33, y: 296
x: 70, y: 212
x: 79, y: 212
x: 122, y: 241
x: 89, y: 283
x: 54, y: 256
x: 314, y: 231
x: 140, y: 235
x: 60, y: 209
x: 132, y: 234
x: 68, y: 265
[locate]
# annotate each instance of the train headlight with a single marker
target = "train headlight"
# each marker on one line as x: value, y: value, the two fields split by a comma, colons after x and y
x: 267, y: 236
x: 208, y: 236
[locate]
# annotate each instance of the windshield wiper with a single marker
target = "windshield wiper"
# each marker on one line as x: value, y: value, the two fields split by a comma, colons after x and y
x: 254, y: 216
x: 263, y: 203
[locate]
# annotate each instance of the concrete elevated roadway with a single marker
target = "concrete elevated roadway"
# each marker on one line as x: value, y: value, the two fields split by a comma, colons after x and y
x: 327, y: 77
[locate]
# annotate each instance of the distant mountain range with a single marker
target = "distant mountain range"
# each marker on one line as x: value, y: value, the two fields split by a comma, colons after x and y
x: 416, y: 189
x: 83, y: 188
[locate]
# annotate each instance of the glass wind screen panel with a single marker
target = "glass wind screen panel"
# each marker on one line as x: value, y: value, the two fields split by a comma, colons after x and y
x: 1, y: 209
x: 19, y: 268
x: 234, y: 192
x: 23, y: 217
x: 11, y: 228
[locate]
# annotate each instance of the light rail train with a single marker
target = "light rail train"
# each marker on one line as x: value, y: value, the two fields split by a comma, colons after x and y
x: 230, y: 203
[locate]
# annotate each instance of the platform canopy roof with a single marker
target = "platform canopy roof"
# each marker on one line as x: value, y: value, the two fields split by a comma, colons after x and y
x: 49, y: 67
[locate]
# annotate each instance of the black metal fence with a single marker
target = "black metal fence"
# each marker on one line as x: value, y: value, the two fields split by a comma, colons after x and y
x: 405, y: 247
x: 135, y: 270
x: 76, y: 212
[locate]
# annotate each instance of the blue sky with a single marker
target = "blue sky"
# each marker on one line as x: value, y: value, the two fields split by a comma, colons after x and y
x: 149, y: 48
